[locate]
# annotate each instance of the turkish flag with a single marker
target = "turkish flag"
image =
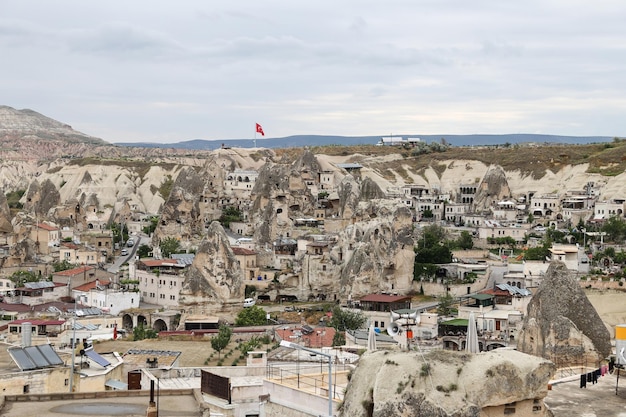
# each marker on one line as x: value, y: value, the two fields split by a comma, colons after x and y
x: 259, y: 129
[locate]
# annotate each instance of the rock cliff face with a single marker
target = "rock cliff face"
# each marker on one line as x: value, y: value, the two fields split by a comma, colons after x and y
x: 214, y: 280
x: 446, y: 383
x: 181, y: 213
x: 5, y: 215
x: 41, y: 198
x: 378, y: 250
x: 280, y: 195
x: 561, y: 324
x: 493, y: 188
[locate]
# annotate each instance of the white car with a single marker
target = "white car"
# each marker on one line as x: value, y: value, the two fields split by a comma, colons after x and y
x: 249, y: 302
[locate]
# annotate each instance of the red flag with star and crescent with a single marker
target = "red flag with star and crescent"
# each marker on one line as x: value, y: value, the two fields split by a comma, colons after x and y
x: 259, y: 129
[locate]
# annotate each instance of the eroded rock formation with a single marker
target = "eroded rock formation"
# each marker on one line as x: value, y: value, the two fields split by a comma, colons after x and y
x: 561, y: 324
x: 446, y: 383
x: 214, y: 279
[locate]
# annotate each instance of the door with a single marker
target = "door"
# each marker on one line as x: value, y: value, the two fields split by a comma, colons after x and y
x: 134, y: 380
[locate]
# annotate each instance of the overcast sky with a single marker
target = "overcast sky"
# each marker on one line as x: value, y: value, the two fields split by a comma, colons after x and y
x: 165, y: 71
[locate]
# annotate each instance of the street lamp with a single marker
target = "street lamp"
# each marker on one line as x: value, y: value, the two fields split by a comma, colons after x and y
x: 291, y: 345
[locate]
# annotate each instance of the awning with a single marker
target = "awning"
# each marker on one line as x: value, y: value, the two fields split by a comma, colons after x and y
x: 115, y: 384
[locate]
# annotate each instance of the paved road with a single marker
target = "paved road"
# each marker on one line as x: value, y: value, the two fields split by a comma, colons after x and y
x: 115, y: 266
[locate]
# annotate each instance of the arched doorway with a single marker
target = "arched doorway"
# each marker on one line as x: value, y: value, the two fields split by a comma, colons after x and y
x: 159, y: 325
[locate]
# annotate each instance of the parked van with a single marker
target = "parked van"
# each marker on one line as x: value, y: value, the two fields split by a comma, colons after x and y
x: 130, y: 243
x: 248, y: 302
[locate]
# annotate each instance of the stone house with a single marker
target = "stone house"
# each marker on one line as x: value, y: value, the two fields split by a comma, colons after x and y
x: 545, y: 206
x: 603, y: 210
x: 573, y: 256
x: 45, y: 236
x: 101, y: 241
x: 160, y: 280
x: 78, y: 254
x: 494, y: 229
x: 102, y: 295
x: 247, y: 260
x: 80, y: 275
x: 39, y: 292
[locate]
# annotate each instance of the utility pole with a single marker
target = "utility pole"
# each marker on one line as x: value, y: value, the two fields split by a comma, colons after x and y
x: 73, y: 342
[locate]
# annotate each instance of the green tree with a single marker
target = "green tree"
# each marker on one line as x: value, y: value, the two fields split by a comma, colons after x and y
x: 446, y: 305
x: 421, y: 271
x: 222, y: 339
x: 21, y: 277
x: 13, y: 199
x: 428, y: 214
x: 229, y: 215
x: 140, y: 333
x: 432, y: 235
x: 339, y: 339
x: 63, y: 265
x: 435, y: 254
x: 465, y: 241
x: 614, y: 228
x: 249, y: 291
x: 540, y: 253
x: 343, y: 320
x: 169, y: 245
x: 166, y: 187
x: 150, y: 228
x: 120, y: 232
x: 251, y: 316
x: 143, y: 251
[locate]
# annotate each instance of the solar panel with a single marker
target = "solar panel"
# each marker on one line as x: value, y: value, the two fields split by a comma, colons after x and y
x: 95, y: 356
x: 51, y: 355
x: 39, y: 284
x: 21, y: 359
x: 36, y: 356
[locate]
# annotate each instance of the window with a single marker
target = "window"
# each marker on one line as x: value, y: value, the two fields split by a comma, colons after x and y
x: 26, y: 389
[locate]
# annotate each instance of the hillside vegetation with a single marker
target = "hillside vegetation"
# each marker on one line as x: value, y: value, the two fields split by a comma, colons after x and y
x: 607, y: 159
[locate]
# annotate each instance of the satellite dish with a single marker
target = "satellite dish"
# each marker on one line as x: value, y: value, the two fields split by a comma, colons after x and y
x: 394, y: 329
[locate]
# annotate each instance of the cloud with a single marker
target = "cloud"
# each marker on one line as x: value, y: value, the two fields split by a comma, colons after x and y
x: 154, y: 71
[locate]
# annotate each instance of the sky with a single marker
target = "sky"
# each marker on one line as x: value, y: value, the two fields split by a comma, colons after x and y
x: 164, y: 71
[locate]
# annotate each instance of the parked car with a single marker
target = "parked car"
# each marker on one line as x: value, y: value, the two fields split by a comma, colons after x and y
x: 249, y: 302
x: 130, y: 243
x: 124, y: 252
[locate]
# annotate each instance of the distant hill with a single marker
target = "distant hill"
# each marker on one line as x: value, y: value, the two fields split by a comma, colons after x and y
x: 317, y: 140
x: 28, y: 124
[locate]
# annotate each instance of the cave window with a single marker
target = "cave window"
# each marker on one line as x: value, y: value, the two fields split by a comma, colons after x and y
x: 278, y: 211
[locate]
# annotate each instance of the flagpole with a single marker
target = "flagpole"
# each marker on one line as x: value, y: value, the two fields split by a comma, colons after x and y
x: 255, y: 137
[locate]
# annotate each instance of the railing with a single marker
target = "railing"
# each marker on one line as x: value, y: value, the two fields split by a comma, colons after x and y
x: 309, y: 377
